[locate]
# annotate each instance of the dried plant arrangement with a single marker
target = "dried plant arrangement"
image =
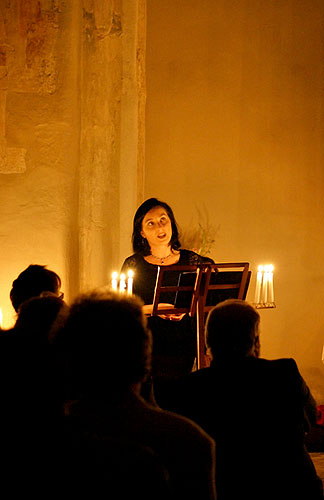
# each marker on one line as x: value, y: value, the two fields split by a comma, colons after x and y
x: 200, y: 236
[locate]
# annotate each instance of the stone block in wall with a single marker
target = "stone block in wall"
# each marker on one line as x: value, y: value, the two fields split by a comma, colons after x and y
x: 12, y: 160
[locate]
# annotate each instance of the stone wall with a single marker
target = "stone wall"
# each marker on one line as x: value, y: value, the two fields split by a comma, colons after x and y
x: 72, y: 97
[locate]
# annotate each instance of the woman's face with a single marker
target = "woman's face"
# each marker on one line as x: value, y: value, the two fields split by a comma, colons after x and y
x: 156, y: 227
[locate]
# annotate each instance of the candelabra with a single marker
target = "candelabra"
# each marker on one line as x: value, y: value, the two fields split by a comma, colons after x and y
x: 264, y: 292
x: 118, y: 282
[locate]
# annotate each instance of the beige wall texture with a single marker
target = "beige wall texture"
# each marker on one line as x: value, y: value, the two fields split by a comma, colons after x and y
x: 235, y: 142
x: 72, y: 100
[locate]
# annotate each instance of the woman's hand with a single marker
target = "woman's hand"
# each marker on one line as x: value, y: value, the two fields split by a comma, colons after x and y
x: 172, y: 317
x: 148, y: 308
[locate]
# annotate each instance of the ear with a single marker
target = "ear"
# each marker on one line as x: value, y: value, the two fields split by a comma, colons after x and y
x: 142, y: 234
x: 256, y: 346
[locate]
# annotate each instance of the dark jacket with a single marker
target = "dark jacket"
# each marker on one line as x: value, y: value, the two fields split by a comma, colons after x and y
x: 258, y: 411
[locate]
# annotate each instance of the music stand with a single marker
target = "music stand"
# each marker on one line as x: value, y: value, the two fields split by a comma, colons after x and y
x: 197, y: 289
x: 191, y: 289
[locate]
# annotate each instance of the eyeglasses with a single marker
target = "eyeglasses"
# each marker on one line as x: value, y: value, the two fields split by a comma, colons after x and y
x: 52, y: 294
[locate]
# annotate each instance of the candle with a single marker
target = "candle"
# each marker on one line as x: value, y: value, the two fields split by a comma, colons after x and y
x: 264, y: 294
x: 114, y: 281
x: 258, y: 285
x: 130, y: 283
x: 1, y: 318
x: 270, y: 276
x: 122, y: 283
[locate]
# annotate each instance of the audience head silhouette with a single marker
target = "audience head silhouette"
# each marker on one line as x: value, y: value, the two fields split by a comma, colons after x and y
x: 36, y: 317
x: 232, y: 329
x: 31, y: 282
x: 105, y: 343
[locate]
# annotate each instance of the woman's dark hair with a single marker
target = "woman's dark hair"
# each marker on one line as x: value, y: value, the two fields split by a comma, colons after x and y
x: 140, y: 244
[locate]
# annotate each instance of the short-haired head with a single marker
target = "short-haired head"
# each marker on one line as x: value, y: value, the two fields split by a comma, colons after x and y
x: 140, y: 244
x: 105, y: 342
x: 232, y: 329
x: 31, y: 282
x: 37, y: 315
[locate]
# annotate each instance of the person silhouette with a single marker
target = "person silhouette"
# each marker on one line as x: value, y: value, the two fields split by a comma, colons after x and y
x: 257, y: 410
x: 31, y: 282
x: 105, y: 347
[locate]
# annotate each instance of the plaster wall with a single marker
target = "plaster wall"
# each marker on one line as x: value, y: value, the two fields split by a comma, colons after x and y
x: 234, y: 142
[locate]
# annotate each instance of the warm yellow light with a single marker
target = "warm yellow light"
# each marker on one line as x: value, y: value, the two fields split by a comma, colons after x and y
x: 122, y: 284
x: 114, y: 282
x: 130, y: 282
x: 264, y: 293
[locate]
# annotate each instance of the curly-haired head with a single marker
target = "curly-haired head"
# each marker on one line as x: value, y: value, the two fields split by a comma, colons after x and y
x: 105, y: 342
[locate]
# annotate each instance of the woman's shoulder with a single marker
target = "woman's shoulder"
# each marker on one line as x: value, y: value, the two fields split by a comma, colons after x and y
x: 191, y: 258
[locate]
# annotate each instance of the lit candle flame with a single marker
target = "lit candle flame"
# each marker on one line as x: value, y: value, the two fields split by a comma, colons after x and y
x: 122, y: 284
x: 114, y: 284
x: 270, y: 280
x: 258, y: 285
x: 264, y: 286
x: 130, y: 282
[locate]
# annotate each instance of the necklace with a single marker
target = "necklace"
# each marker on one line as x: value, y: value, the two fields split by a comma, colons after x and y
x: 162, y: 259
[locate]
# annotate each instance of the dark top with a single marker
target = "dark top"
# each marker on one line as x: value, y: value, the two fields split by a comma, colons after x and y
x: 258, y: 411
x: 183, y: 447
x: 174, y: 342
x: 145, y: 274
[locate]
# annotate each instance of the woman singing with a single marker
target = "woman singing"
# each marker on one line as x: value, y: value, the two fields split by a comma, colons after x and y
x: 156, y: 243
